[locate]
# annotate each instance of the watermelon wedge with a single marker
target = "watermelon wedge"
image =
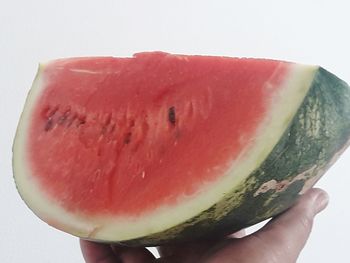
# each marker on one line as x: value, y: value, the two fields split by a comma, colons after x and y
x: 161, y: 148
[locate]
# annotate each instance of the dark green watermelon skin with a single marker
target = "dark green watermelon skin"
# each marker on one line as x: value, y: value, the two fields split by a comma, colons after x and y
x: 316, y: 136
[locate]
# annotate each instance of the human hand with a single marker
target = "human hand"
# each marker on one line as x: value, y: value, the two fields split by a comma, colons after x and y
x: 279, y: 241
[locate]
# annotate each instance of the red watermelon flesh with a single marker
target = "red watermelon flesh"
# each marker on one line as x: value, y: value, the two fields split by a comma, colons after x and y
x: 123, y: 136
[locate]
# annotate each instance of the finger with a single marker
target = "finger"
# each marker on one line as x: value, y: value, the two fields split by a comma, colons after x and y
x: 133, y: 254
x: 186, y: 252
x: 105, y: 253
x: 282, y: 239
x: 289, y: 232
x: 98, y: 253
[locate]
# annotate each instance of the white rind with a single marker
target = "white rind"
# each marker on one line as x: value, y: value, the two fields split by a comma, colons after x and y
x: 285, y: 105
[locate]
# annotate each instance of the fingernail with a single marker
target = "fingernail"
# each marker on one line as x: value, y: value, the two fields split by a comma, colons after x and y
x: 321, y: 202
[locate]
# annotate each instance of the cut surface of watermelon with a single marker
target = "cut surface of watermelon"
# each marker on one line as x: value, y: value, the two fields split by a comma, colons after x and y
x: 116, y: 149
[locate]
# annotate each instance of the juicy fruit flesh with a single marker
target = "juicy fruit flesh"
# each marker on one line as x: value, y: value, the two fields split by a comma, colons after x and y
x: 125, y: 136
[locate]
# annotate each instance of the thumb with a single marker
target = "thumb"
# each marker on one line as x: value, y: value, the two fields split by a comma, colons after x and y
x: 286, y: 235
x: 283, y: 238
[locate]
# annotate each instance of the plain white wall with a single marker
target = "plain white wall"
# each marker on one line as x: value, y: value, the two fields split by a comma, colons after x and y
x: 315, y: 32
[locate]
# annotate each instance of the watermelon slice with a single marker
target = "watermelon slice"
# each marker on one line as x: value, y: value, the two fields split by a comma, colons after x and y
x: 160, y: 148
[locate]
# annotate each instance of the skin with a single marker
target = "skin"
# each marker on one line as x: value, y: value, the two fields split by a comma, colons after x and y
x: 281, y: 240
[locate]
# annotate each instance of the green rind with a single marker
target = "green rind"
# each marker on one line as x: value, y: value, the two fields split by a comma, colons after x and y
x: 316, y: 136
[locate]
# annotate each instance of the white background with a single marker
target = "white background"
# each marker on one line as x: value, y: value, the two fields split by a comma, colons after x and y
x: 315, y: 32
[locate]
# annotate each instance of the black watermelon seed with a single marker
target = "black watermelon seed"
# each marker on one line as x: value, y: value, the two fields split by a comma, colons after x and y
x: 127, y: 138
x: 49, y: 124
x: 172, y: 115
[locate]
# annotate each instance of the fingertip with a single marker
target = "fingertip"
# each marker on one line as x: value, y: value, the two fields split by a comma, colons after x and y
x: 315, y: 200
x: 322, y: 201
x: 314, y: 192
